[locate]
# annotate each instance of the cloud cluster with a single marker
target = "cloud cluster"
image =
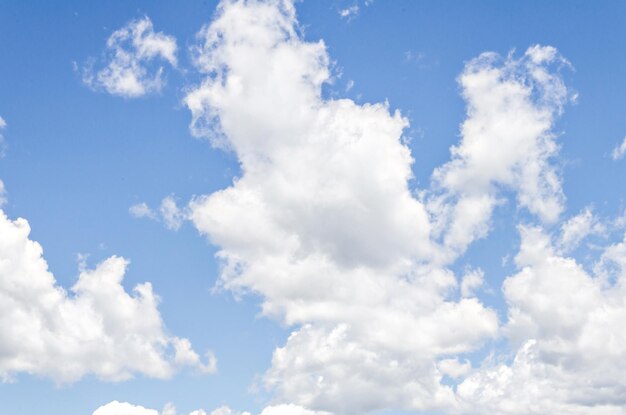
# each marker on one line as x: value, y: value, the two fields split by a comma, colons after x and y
x: 124, y: 408
x: 507, y: 143
x: 322, y: 223
x: 129, y: 70
x: 567, y: 327
x: 169, y: 213
x: 95, y: 329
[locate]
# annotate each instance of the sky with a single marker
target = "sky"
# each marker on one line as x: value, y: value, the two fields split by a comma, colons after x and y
x: 312, y: 208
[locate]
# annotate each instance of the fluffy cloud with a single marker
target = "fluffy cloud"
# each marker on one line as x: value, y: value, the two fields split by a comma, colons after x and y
x: 578, y: 228
x: 129, y: 71
x: 124, y: 408
x: 507, y: 142
x: 567, y: 327
x: 323, y: 226
x: 169, y: 213
x: 95, y: 329
x: 141, y: 210
x: 322, y: 223
x: 619, y: 150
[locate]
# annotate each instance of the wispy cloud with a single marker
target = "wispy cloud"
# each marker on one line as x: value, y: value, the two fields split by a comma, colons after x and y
x: 619, y: 150
x: 129, y: 69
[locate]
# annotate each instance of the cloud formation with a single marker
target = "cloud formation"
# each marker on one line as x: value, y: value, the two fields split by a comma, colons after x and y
x: 124, y: 408
x: 566, y: 325
x: 619, y: 150
x: 323, y: 225
x: 169, y: 213
x: 507, y: 143
x: 129, y: 71
x: 95, y: 329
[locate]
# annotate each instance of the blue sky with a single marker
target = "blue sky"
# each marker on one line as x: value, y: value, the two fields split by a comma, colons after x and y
x: 78, y: 155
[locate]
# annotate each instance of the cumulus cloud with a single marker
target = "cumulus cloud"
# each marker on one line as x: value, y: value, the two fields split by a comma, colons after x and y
x: 124, y: 408
x: 577, y: 228
x: 471, y: 281
x: 97, y: 328
x: 130, y: 54
x: 619, y: 150
x: 168, y: 213
x: 322, y: 223
x: 566, y: 325
x: 507, y: 143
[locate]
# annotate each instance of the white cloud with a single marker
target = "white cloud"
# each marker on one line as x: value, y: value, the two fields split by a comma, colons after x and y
x: 567, y: 325
x: 129, y: 71
x: 349, y: 85
x: 97, y: 328
x: 169, y: 213
x: 454, y: 368
x: 3, y: 194
x: 124, y: 408
x: 471, y: 281
x: 507, y: 142
x: 619, y: 150
x: 322, y: 223
x: 3, y: 124
x: 349, y: 12
x: 172, y: 216
x: 578, y: 228
x: 142, y: 210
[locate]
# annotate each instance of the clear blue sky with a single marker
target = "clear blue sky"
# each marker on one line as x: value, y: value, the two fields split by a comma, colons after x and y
x: 77, y: 158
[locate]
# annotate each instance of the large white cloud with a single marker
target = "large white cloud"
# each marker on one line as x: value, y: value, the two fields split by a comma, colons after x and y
x: 322, y: 223
x: 95, y: 329
x: 125, y: 408
x: 567, y: 326
x: 129, y: 69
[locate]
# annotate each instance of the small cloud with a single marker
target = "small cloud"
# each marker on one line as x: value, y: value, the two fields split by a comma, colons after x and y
x: 3, y: 124
x: 350, y: 12
x: 349, y: 85
x: 619, y: 151
x: 184, y: 355
x: 412, y: 56
x: 129, y: 53
x: 3, y: 194
x: 141, y: 210
x: 169, y: 213
x: 577, y: 228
